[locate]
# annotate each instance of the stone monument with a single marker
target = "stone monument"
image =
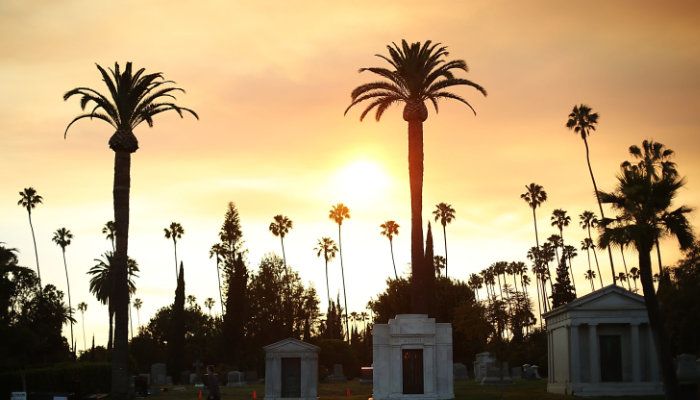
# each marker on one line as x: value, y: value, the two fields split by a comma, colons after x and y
x: 291, y: 370
x: 158, y: 374
x: 459, y: 372
x: 412, y: 359
x: 235, y: 379
x: 337, y: 375
x: 482, y: 363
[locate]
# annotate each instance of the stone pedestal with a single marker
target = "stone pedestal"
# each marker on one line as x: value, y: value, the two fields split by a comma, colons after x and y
x: 291, y: 370
x: 412, y: 359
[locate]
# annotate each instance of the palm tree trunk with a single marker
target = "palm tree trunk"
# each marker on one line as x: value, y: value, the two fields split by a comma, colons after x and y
x: 393, y: 262
x: 120, y: 293
x: 624, y: 262
x: 422, y: 274
x: 588, y: 254
x: 131, y: 321
x: 284, y: 256
x: 595, y: 256
x: 70, y: 306
x: 600, y: 206
x: 328, y: 290
x: 342, y: 275
x: 175, y: 247
x: 540, y: 302
x: 658, y: 256
x: 444, y: 236
x: 571, y: 268
x: 110, y: 312
x: 84, y: 342
x: 36, y: 252
x: 592, y: 288
x: 656, y: 321
x: 218, y: 278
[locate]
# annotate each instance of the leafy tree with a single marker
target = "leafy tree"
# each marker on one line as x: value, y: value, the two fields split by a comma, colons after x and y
x: 643, y: 203
x: 326, y: 247
x: 445, y: 214
x: 417, y: 73
x: 237, y: 310
x: 110, y: 230
x: 561, y: 220
x: 582, y: 121
x: 390, y: 229
x: 332, y: 327
x: 563, y: 292
x: 174, y: 232
x: 62, y: 237
x: 176, y: 331
x: 29, y: 199
x: 338, y: 214
x: 280, y: 226
x: 132, y: 99
x: 430, y: 252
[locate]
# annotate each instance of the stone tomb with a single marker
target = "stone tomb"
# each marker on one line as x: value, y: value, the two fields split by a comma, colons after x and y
x: 483, y: 361
x: 291, y: 370
x: 601, y: 344
x: 412, y: 359
x: 235, y: 379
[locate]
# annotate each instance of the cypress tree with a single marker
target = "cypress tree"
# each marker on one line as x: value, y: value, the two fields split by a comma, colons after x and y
x: 176, y: 339
x: 236, y: 311
x: 562, y: 291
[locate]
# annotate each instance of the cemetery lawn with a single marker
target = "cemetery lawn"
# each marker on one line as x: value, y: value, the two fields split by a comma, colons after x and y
x: 464, y: 390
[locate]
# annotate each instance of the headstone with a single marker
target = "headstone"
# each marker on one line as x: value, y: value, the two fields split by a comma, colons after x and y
x: 235, y: 379
x: 337, y: 375
x: 528, y: 372
x: 169, y: 380
x: 251, y: 376
x: 481, y: 364
x: 687, y: 368
x: 158, y: 374
x: 459, y: 371
x: 366, y: 375
x: 536, y: 372
x: 18, y: 396
x: 497, y: 375
x: 516, y: 373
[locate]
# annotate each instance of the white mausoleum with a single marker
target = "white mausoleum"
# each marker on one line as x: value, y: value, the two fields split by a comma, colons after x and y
x: 412, y: 359
x: 291, y: 370
x: 601, y: 345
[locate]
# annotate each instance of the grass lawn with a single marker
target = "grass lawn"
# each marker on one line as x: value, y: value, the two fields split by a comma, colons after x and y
x: 464, y: 390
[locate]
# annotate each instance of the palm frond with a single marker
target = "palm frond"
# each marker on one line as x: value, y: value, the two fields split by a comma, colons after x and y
x: 453, y: 96
x: 91, y: 116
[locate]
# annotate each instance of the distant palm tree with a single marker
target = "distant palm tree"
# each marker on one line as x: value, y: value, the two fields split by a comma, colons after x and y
x: 582, y: 121
x: 534, y: 196
x: 101, y: 284
x: 339, y: 213
x: 209, y: 304
x: 82, y: 307
x: 191, y: 301
x: 217, y: 250
x: 590, y: 275
x: 634, y: 274
x: 390, y: 229
x: 588, y: 220
x: 137, y: 305
x: 561, y: 220
x: 475, y: 283
x: 29, y: 200
x: 132, y: 98
x: 445, y: 214
x: 587, y: 244
x: 110, y: 230
x: 174, y: 232
x: 417, y: 73
x: 280, y: 226
x: 439, y: 263
x: 62, y: 237
x: 643, y: 202
x: 622, y: 277
x: 326, y: 247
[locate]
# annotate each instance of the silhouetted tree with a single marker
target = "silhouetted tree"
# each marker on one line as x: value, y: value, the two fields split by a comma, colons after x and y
x: 445, y: 214
x: 280, y: 226
x: 561, y: 220
x: 430, y: 253
x: 62, y: 237
x: 534, y: 196
x: 326, y: 247
x: 174, y: 232
x: 82, y: 307
x: 29, y: 199
x: 417, y: 73
x: 132, y: 99
x: 390, y: 229
x: 237, y: 303
x: 563, y: 292
x: 339, y: 213
x: 588, y: 220
x: 218, y: 251
x: 176, y: 334
x: 110, y: 230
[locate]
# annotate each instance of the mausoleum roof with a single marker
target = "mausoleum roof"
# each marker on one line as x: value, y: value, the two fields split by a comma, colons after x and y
x: 611, y: 298
x: 291, y: 345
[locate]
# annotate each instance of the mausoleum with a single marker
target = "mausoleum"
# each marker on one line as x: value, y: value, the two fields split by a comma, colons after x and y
x: 291, y: 370
x: 601, y: 345
x: 412, y: 359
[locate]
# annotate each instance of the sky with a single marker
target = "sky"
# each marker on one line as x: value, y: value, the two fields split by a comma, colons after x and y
x: 270, y: 81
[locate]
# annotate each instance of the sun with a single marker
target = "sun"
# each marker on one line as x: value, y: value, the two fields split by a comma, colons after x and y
x: 361, y: 182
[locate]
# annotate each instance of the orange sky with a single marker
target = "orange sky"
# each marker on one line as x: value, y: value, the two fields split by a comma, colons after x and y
x: 271, y: 80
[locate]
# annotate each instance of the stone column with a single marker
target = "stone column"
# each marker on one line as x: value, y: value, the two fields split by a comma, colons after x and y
x: 594, y: 351
x: 636, y: 351
x: 575, y: 361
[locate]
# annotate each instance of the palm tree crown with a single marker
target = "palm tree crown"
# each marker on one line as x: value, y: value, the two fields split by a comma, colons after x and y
x: 534, y: 195
x: 444, y: 213
x: 110, y: 230
x: 338, y: 213
x: 390, y: 229
x: 327, y: 248
x: 582, y: 121
x: 62, y: 237
x: 280, y: 225
x: 29, y: 199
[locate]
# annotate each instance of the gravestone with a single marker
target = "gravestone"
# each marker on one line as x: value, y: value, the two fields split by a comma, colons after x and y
x: 366, y: 375
x: 482, y: 363
x: 516, y: 373
x: 497, y: 375
x: 536, y: 372
x: 159, y: 374
x: 235, y: 379
x: 337, y: 375
x: 528, y: 372
x: 291, y: 370
x: 459, y: 371
x: 687, y: 368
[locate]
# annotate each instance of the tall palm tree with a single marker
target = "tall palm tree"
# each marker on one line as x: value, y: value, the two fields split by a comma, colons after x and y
x: 209, y: 304
x: 132, y: 98
x: 62, y: 237
x: 445, y: 214
x: 174, y: 232
x: 534, y: 196
x: 590, y: 275
x: 280, y: 226
x: 390, y: 229
x: 643, y: 203
x: 582, y: 121
x: 137, y: 305
x: 29, y: 200
x: 475, y: 283
x: 217, y: 250
x: 416, y: 73
x: 561, y: 220
x: 102, y: 284
x: 82, y: 307
x: 339, y: 213
x: 191, y: 300
x: 326, y: 247
x: 622, y: 240
x: 634, y: 274
x: 109, y: 230
x: 588, y: 220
